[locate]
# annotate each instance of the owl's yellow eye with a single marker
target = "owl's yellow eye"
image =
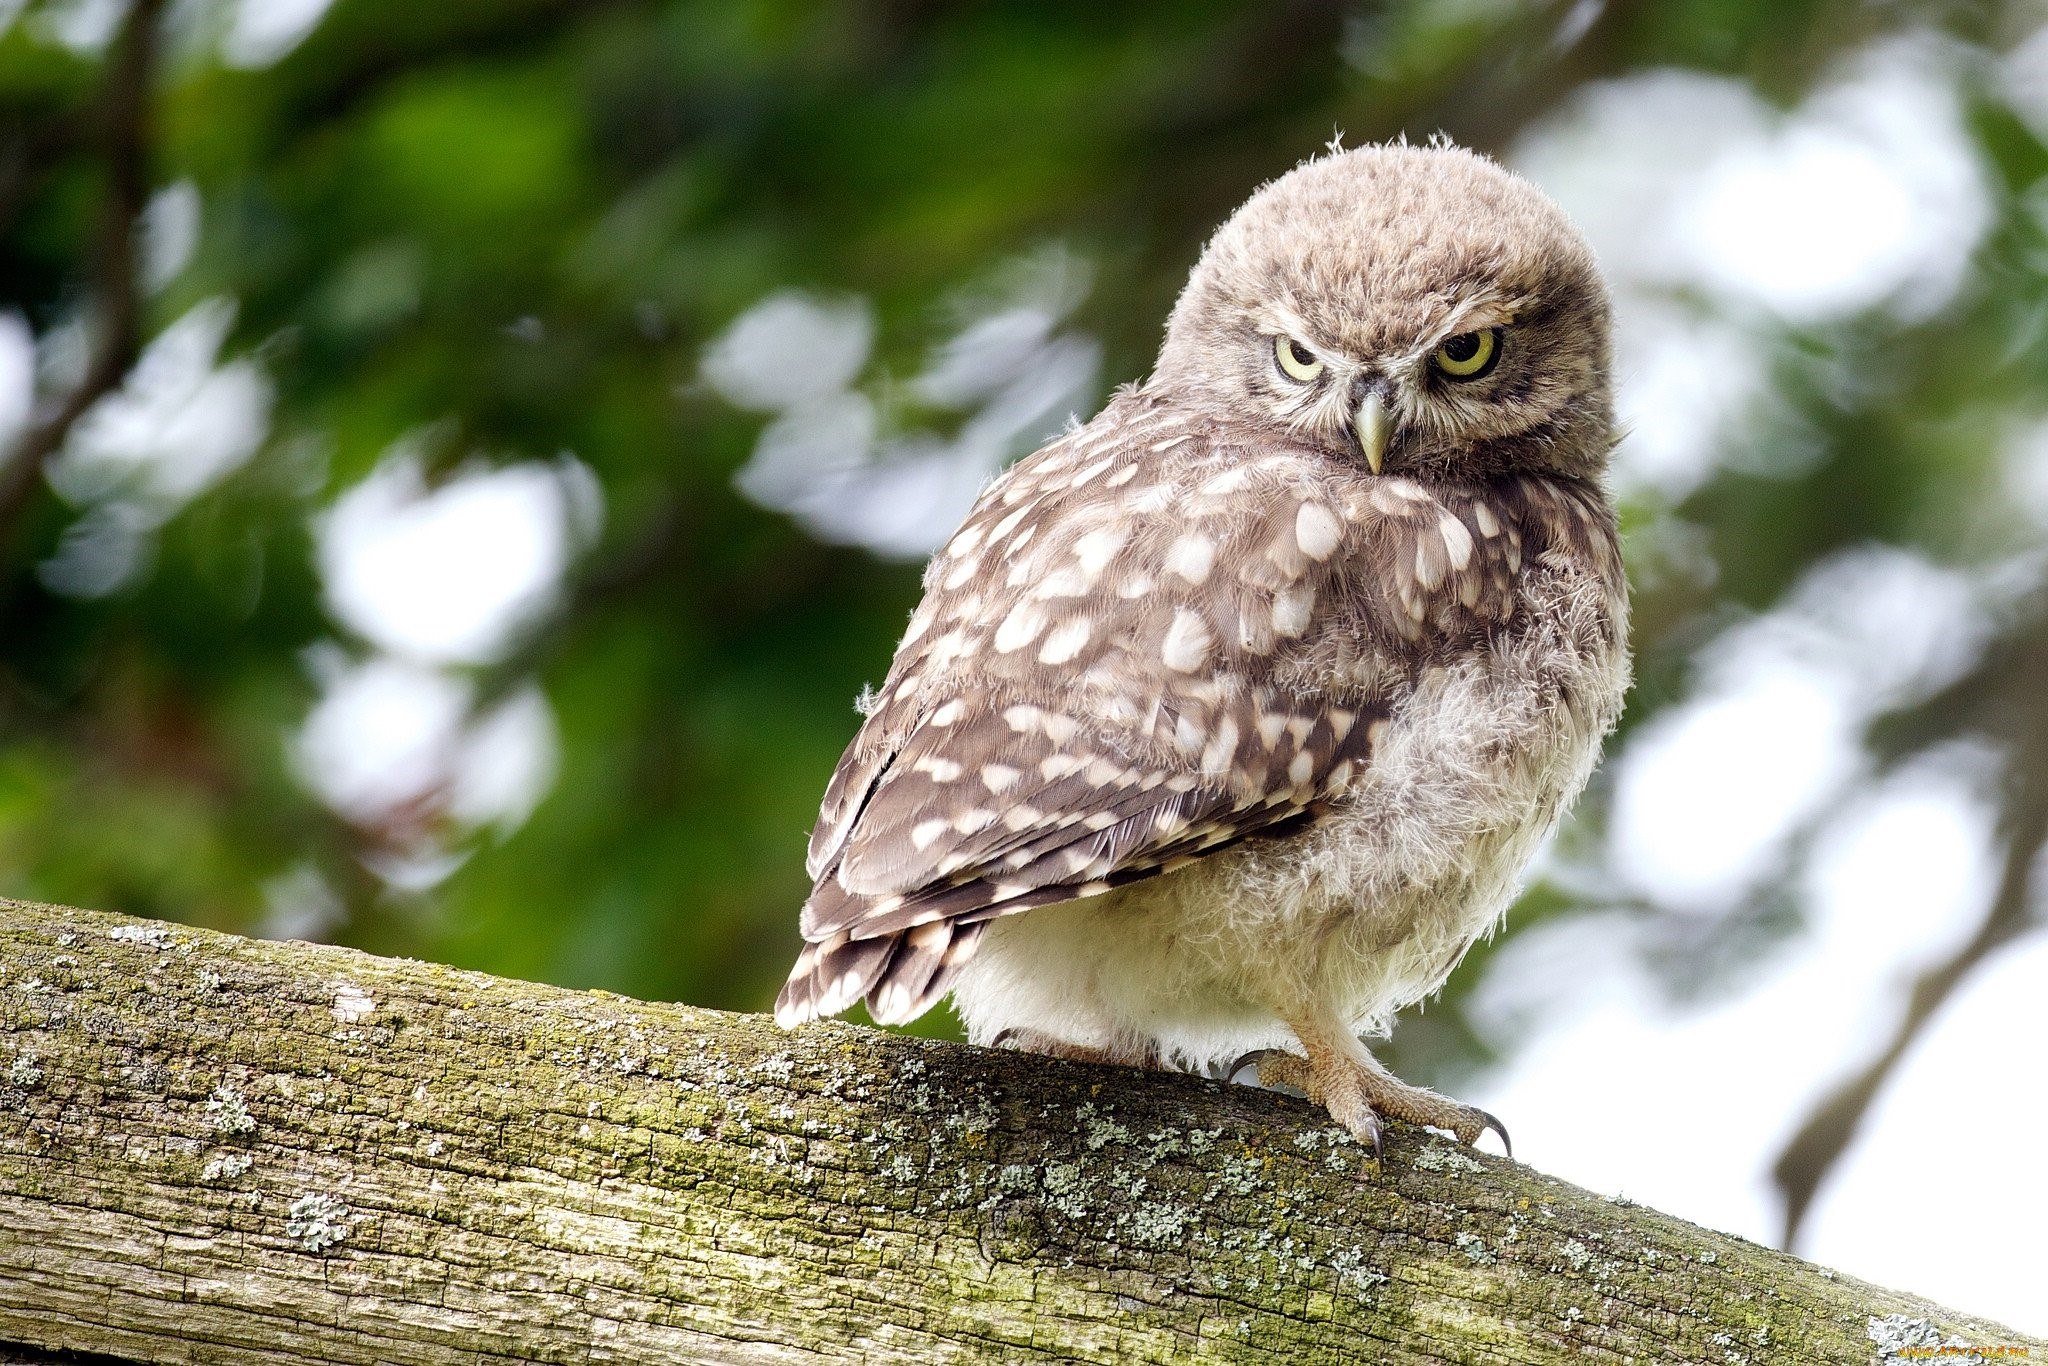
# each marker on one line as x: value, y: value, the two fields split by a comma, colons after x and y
x: 1469, y: 354
x: 1297, y: 362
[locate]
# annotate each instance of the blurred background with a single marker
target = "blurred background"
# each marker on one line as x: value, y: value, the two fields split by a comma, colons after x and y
x: 459, y: 462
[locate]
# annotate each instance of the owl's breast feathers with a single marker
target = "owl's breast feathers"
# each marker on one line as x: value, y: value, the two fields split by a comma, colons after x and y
x: 1150, y: 640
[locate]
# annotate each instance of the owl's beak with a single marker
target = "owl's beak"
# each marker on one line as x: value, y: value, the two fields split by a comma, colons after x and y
x: 1370, y: 425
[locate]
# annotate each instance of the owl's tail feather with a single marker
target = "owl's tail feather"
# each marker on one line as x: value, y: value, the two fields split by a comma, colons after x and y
x: 922, y: 969
x: 830, y: 975
x: 902, y: 976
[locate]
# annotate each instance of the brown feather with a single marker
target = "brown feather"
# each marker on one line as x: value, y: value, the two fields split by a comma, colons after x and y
x: 1092, y: 692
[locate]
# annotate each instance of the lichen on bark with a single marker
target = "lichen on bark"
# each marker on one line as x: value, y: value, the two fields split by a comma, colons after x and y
x: 223, y: 1150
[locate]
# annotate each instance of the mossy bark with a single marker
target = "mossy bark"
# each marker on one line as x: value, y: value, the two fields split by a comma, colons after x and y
x: 215, y: 1149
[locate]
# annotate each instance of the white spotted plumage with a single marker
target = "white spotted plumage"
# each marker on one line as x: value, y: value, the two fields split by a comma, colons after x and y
x: 1103, y: 727
x: 1210, y: 734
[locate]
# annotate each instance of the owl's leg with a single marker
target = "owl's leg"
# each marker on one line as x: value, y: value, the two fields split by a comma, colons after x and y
x: 1144, y: 1057
x: 1341, y: 1075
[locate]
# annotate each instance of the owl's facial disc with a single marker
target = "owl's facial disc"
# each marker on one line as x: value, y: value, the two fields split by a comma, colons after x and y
x: 1389, y: 404
x: 1451, y: 284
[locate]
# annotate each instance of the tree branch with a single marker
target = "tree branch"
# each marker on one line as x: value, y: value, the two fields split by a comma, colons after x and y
x: 1813, y: 1152
x: 117, y: 318
x: 2000, y: 697
x: 222, y: 1150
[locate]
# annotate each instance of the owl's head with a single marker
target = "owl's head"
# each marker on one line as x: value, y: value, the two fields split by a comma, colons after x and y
x: 1416, y: 308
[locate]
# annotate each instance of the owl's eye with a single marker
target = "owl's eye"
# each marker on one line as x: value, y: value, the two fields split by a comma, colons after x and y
x: 1297, y: 362
x: 1469, y: 354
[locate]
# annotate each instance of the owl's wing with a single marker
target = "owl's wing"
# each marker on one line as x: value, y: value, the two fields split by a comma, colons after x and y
x: 1146, y: 643
x: 1031, y: 811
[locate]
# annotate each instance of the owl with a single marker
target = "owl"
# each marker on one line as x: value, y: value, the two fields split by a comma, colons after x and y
x: 1230, y: 719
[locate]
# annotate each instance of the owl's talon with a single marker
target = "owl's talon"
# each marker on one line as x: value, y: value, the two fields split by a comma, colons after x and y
x: 1493, y: 1123
x: 1364, y: 1127
x: 1251, y: 1059
x: 1467, y: 1123
x: 1350, y: 1106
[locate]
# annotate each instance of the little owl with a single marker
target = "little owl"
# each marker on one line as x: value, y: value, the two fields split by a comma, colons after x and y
x: 1231, y: 717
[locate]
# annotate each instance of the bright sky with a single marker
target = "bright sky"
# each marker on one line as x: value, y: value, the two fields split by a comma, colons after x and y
x: 432, y: 579
x: 855, y: 470
x: 1718, y: 217
x: 17, y: 375
x: 454, y: 574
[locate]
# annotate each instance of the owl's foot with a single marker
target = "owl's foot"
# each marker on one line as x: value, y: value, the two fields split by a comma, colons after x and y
x: 1335, y: 1089
x: 1359, y: 1094
x: 1145, y: 1057
x: 1419, y: 1105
